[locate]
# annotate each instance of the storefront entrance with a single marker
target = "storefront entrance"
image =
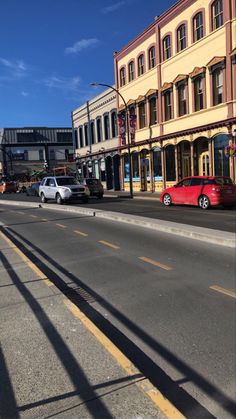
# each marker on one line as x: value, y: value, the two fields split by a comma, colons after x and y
x: 204, y: 164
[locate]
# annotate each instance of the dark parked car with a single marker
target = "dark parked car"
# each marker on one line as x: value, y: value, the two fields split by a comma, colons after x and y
x: 33, y: 190
x: 202, y: 191
x: 95, y: 186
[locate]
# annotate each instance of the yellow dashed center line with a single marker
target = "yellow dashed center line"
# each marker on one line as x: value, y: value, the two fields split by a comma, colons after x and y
x: 155, y: 263
x: 44, y: 219
x: 223, y: 291
x: 80, y: 233
x: 61, y: 225
x: 113, y: 246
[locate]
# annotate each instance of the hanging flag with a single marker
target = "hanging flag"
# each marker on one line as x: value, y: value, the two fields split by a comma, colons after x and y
x: 132, y: 124
x: 122, y: 128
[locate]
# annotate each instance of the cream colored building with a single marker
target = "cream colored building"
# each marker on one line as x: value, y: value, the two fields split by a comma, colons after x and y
x: 178, y: 77
x: 95, y: 127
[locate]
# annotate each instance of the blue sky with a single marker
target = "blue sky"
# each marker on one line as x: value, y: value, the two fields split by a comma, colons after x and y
x: 51, y: 50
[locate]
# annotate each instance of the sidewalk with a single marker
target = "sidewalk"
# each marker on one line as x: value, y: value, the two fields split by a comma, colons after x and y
x: 138, y: 195
x: 51, y: 361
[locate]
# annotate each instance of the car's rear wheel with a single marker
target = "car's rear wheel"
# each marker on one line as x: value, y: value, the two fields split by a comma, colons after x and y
x: 59, y: 199
x: 204, y: 202
x: 43, y: 198
x: 166, y: 200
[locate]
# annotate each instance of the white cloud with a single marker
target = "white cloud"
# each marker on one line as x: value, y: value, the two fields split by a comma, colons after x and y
x: 113, y: 7
x: 82, y: 44
x: 63, y: 83
x: 25, y: 94
x: 17, y: 68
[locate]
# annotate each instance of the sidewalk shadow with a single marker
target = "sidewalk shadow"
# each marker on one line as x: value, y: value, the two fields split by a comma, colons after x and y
x: 169, y: 388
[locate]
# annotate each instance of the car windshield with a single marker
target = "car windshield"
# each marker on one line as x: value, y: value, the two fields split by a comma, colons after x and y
x: 223, y: 181
x: 61, y: 181
x: 92, y: 181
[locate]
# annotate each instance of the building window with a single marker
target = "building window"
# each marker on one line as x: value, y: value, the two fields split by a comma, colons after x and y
x: 142, y: 115
x: 157, y: 166
x: 153, y: 110
x: 122, y: 76
x: 170, y: 163
x: 181, y: 38
x: 167, y: 105
x: 86, y: 134
x: 198, y: 27
x: 92, y: 133
x: 99, y: 130
x: 151, y: 58
x: 140, y: 65
x: 41, y: 155
x: 106, y: 127
x: 131, y: 71
x: 182, y: 102
x: 198, y: 94
x: 217, y: 81
x: 81, y: 139
x: 113, y: 125
x: 166, y: 48
x: 217, y: 14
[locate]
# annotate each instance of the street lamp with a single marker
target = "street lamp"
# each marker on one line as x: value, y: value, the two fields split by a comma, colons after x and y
x: 128, y: 133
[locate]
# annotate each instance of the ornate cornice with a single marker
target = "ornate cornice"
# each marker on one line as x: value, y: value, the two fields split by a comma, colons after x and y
x: 196, y: 71
x: 215, y: 60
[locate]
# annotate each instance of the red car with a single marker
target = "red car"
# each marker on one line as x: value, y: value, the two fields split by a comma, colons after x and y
x: 202, y: 191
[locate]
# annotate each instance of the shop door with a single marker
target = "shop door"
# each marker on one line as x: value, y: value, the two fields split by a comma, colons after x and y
x: 144, y: 173
x: 186, y: 166
x: 204, y: 165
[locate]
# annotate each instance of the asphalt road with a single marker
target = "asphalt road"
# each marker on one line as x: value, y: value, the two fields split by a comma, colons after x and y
x: 151, y: 294
x: 215, y: 218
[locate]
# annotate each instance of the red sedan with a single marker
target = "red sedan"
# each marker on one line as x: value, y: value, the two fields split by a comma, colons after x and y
x: 202, y: 191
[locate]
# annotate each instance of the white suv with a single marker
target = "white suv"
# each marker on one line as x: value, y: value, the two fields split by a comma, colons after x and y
x: 62, y: 188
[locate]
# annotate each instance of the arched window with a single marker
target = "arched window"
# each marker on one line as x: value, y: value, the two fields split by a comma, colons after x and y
x: 151, y: 57
x: 198, y: 29
x: 131, y: 71
x: 217, y: 14
x: 181, y: 38
x: 86, y: 134
x: 99, y: 130
x: 81, y: 137
x: 170, y: 163
x: 92, y: 132
x: 157, y: 166
x: 106, y: 127
x: 221, y: 162
x: 140, y: 65
x: 113, y: 124
x: 166, y: 48
x: 135, y: 165
x: 122, y: 76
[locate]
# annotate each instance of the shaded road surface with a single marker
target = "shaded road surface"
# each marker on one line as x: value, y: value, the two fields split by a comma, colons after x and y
x: 214, y: 218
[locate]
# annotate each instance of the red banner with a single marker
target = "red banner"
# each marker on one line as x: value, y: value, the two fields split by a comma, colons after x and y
x: 122, y: 128
x: 132, y: 124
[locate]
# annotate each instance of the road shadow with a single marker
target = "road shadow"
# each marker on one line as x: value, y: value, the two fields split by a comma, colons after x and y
x: 83, y: 297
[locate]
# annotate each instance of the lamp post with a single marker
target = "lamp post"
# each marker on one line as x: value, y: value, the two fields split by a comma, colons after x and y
x: 128, y: 132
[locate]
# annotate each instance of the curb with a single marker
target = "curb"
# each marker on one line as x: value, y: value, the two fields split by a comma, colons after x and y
x: 207, y: 235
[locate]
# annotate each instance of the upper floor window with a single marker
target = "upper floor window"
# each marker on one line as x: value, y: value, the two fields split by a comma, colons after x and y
x: 182, y: 102
x: 86, y: 134
x: 92, y: 133
x: 106, y: 127
x: 198, y: 27
x: 217, y: 14
x: 181, y: 38
x: 142, y: 115
x: 198, y: 93
x: 151, y: 58
x: 113, y: 125
x: 217, y: 80
x: 131, y: 71
x: 99, y: 130
x: 81, y: 137
x: 167, y: 105
x: 122, y: 76
x: 153, y: 110
x: 140, y: 65
x: 166, y: 47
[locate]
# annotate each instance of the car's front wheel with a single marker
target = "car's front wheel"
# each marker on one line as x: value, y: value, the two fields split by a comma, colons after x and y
x: 204, y: 202
x: 166, y: 200
x: 59, y: 199
x: 43, y: 198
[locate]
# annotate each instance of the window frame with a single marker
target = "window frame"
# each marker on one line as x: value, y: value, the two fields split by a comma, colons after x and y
x: 213, y: 17
x: 179, y: 39
x: 151, y: 59
x: 166, y: 106
x: 167, y: 36
x: 131, y: 63
x: 141, y: 69
x: 142, y: 117
x: 215, y: 88
x: 183, y: 86
x: 122, y: 76
x: 150, y: 99
x: 203, y: 26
